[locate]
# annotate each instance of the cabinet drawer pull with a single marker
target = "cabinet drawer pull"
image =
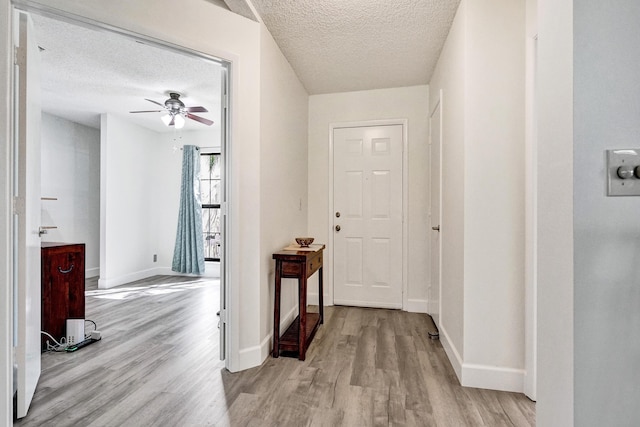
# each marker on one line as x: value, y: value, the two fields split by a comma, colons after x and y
x: 65, y: 271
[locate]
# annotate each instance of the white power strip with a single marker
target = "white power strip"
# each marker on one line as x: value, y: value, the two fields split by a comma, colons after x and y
x: 75, y: 331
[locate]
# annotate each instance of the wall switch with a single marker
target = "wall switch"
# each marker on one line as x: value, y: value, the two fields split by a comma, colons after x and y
x: 155, y: 257
x: 623, y: 177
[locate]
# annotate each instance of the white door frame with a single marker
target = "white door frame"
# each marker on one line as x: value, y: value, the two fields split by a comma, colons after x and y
x: 6, y: 269
x: 328, y: 261
x: 440, y: 220
x: 231, y: 315
x: 531, y: 222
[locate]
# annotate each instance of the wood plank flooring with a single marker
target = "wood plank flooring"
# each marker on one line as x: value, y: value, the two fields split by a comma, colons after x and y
x: 157, y: 364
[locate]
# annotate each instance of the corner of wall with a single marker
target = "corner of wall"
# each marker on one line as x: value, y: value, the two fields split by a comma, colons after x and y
x: 452, y: 352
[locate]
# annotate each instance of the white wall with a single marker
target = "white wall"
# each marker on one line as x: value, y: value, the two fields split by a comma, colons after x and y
x: 449, y: 77
x: 494, y: 194
x: 141, y: 174
x: 483, y: 180
x: 555, y: 214
x: 399, y: 103
x: 127, y: 232
x: 606, y: 293
x: 283, y: 178
x: 71, y: 173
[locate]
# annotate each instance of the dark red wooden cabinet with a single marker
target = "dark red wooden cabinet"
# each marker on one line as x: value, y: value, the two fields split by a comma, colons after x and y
x: 62, y: 286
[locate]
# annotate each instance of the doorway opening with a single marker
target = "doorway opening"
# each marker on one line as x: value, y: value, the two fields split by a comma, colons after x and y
x: 152, y: 178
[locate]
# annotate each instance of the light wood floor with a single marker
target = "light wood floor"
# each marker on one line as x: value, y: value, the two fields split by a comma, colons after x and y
x: 157, y: 364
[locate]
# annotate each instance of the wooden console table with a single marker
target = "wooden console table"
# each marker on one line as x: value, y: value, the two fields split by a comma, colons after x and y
x: 294, y: 264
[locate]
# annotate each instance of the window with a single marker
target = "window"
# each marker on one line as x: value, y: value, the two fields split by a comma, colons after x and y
x: 210, y: 188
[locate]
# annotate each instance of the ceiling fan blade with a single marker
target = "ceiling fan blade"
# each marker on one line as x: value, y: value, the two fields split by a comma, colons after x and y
x: 147, y: 111
x: 155, y: 102
x: 196, y: 110
x: 200, y: 119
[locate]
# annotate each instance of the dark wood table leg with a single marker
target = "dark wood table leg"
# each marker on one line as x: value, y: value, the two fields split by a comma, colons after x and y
x: 320, y: 293
x: 302, y: 332
x: 276, y: 312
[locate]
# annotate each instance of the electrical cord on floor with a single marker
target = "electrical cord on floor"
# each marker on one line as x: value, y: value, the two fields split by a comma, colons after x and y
x: 62, y: 345
x: 95, y: 328
x: 59, y: 346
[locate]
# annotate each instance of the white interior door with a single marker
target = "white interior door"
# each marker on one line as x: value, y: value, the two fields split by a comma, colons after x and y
x: 27, y: 213
x: 435, y: 149
x: 367, y: 222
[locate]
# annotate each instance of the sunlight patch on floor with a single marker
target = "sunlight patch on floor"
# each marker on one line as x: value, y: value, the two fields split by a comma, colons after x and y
x: 130, y: 292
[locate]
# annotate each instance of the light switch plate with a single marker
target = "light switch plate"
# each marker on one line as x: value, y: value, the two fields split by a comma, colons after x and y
x: 617, y: 186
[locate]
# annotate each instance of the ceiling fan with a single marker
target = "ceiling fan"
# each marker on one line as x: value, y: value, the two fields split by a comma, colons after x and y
x: 176, y: 111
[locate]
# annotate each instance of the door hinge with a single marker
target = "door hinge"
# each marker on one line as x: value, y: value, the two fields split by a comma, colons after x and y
x: 20, y: 56
x: 223, y: 316
x: 18, y: 206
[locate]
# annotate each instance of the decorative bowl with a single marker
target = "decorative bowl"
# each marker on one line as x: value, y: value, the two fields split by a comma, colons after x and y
x: 304, y: 241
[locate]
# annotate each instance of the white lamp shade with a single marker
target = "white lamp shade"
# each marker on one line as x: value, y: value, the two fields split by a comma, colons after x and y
x: 179, y: 121
x: 166, y: 119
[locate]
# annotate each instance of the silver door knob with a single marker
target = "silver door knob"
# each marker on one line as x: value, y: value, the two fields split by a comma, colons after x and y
x: 337, y: 228
x: 436, y: 228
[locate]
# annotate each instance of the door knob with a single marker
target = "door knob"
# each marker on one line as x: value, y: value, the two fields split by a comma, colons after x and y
x: 436, y: 228
x: 337, y: 228
x: 337, y: 214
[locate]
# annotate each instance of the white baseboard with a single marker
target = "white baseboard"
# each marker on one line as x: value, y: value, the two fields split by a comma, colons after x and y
x: 254, y: 356
x: 92, y: 272
x: 211, y: 269
x: 111, y: 282
x: 267, y: 343
x: 312, y: 299
x: 266, y: 347
x: 493, y: 377
x: 417, y: 306
x: 413, y: 305
x: 107, y: 283
x: 249, y: 358
x: 368, y: 304
x: 481, y: 376
x: 451, y: 351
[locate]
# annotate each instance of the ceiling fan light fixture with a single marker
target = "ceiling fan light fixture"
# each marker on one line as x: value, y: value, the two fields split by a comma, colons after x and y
x: 175, y: 112
x: 179, y: 121
x: 166, y: 119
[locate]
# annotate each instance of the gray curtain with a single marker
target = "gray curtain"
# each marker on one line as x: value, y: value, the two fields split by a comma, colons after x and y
x: 188, y: 256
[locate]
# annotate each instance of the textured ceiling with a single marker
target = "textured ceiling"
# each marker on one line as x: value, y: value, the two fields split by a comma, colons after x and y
x: 347, y: 45
x: 86, y: 72
x: 333, y: 46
